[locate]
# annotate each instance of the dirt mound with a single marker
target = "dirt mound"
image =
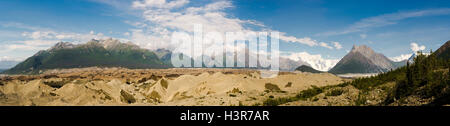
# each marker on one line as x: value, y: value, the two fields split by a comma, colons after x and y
x: 118, y: 86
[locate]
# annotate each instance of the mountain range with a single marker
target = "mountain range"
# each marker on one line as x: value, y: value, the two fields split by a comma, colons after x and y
x: 113, y: 53
x: 286, y: 64
x: 106, y: 53
x: 102, y: 53
x: 362, y: 59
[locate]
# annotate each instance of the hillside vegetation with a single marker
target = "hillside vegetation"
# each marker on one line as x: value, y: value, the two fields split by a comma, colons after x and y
x: 91, y: 54
x: 425, y: 82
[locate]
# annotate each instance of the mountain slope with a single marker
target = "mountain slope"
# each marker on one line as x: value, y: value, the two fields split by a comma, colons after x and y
x: 165, y: 56
x: 309, y: 69
x: 363, y: 59
x: 444, y: 51
x: 425, y: 81
x: 101, y: 53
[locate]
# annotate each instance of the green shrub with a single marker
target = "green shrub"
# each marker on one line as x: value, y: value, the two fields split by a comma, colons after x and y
x: 55, y: 84
x: 335, y: 92
x: 303, y: 95
x: 289, y: 84
x: 361, y: 100
x: 278, y: 101
x: 272, y: 87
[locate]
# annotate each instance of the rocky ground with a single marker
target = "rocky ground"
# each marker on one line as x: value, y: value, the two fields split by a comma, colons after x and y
x: 181, y: 87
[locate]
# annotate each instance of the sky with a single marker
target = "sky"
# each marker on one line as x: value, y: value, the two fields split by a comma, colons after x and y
x: 316, y: 31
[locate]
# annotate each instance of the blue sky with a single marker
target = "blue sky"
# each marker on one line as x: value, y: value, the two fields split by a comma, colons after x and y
x: 311, y: 28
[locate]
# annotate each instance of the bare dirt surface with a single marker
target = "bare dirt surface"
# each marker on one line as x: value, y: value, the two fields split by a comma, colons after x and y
x: 165, y: 87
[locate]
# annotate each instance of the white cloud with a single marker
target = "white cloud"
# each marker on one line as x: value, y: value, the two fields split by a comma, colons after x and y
x: 337, y: 45
x: 61, y: 36
x: 416, y: 47
x: 323, y: 44
x: 305, y: 40
x: 402, y: 57
x: 151, y: 40
x: 7, y: 58
x: 386, y: 19
x: 119, y: 4
x: 28, y: 45
x: 159, y: 4
x: 20, y: 26
x: 22, y: 47
x: 126, y: 34
x: 163, y: 17
x: 37, y: 38
x: 36, y: 35
x: 316, y: 61
x: 363, y: 36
